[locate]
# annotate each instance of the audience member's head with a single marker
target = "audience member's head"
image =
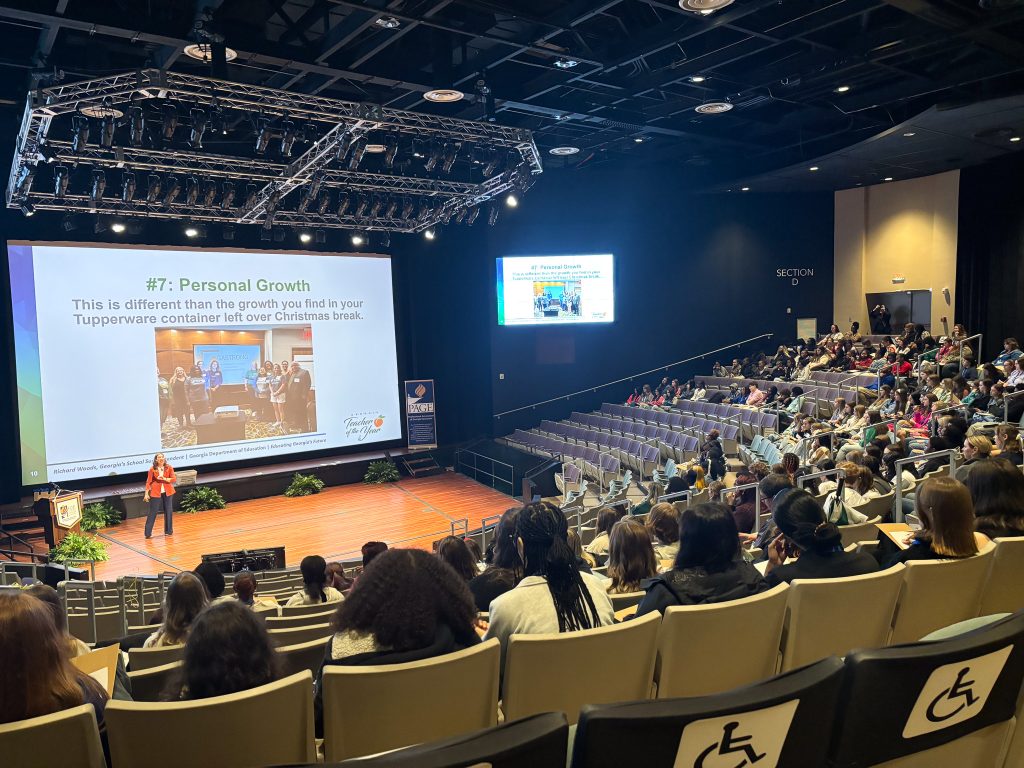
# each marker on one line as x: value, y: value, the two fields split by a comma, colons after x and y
x: 504, y: 553
x: 804, y: 523
x: 314, y: 577
x: 336, y: 577
x: 404, y: 598
x: 678, y: 483
x: 630, y: 556
x: 453, y: 550
x: 186, y: 596
x: 663, y: 523
x: 1008, y: 439
x: 244, y: 586
x: 997, y: 490
x: 709, y: 538
x: 227, y: 651
x: 474, y: 549
x: 371, y: 549
x: 36, y: 674
x: 977, y: 447
x: 947, y: 517
x: 49, y: 595
x: 212, y: 578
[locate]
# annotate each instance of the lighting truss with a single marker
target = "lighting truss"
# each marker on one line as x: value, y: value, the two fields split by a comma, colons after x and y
x: 342, y: 121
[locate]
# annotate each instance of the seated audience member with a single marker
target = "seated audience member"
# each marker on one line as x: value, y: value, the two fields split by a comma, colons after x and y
x: 48, y: 595
x: 476, y: 552
x: 935, y: 443
x: 453, y: 550
x: 553, y: 596
x: 504, y: 569
x: 977, y: 448
x: 227, y: 651
x: 244, y: 586
x: 771, y: 490
x: 1008, y: 443
x: 584, y: 562
x: 755, y: 396
x: 1016, y: 377
x: 606, y: 518
x: 314, y: 580
x: 371, y: 549
x: 744, y: 510
x: 815, y: 543
x: 36, y: 674
x: 712, y: 455
x: 185, y: 598
x: 947, y: 524
x: 406, y: 606
x: 997, y: 490
x: 700, y: 392
x: 663, y: 526
x: 841, y: 510
x: 214, y: 581
x: 709, y: 567
x: 1011, y: 351
x: 630, y: 557
x: 336, y: 577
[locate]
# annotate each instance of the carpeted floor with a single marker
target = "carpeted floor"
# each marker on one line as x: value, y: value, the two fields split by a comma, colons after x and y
x: 173, y: 435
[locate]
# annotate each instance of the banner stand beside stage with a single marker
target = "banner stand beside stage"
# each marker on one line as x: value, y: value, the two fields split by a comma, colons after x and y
x: 420, y: 414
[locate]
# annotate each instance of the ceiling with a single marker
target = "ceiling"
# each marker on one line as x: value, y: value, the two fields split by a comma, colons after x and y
x: 629, y: 95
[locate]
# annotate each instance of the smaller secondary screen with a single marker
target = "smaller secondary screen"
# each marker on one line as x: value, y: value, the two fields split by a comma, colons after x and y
x: 543, y: 290
x: 232, y: 360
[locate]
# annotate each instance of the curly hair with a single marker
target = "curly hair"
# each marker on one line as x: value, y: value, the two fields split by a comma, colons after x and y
x: 228, y: 650
x: 402, y: 598
x: 453, y: 550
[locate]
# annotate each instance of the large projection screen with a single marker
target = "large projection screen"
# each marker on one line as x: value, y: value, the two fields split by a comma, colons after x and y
x: 206, y: 356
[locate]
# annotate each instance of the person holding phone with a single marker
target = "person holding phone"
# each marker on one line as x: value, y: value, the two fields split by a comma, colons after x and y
x: 159, y: 494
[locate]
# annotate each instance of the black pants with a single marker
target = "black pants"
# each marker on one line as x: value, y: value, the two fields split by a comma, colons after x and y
x: 157, y: 504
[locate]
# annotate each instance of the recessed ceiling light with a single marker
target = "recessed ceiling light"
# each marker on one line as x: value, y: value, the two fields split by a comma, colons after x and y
x: 118, y: 227
x: 713, y: 108
x: 375, y: 149
x: 429, y: 234
x: 204, y: 52
x: 1015, y: 138
x: 512, y: 201
x: 908, y: 134
x: 566, y: 63
x: 697, y: 78
x: 101, y: 111
x: 191, y: 232
x: 744, y: 189
x: 887, y: 178
x: 813, y: 168
x: 704, y: 7
x: 563, y: 150
x: 305, y: 237
x: 358, y: 239
x: 842, y: 89
x: 388, y: 22
x: 638, y: 139
x: 444, y: 95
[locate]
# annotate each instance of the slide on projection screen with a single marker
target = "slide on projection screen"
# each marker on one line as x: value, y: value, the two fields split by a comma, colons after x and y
x: 538, y: 290
x: 207, y: 356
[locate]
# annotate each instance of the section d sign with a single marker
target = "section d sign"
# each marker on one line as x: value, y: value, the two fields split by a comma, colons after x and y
x: 419, y: 413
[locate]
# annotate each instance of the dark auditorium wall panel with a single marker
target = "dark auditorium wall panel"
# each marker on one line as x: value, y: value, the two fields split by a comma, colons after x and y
x: 990, y: 251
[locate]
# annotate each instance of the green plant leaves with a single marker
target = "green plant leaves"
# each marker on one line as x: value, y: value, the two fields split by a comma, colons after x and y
x: 202, y: 498
x: 304, y: 485
x: 381, y: 472
x: 77, y: 546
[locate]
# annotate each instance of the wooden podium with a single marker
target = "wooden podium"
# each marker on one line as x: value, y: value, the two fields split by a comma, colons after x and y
x: 60, y: 513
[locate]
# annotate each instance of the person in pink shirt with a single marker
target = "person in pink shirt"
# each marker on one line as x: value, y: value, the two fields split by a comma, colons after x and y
x: 756, y: 396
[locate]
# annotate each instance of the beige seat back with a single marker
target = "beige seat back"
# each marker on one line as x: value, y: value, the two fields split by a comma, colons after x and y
x: 380, y: 708
x: 309, y: 655
x: 69, y: 739
x: 154, y: 683
x: 835, y: 616
x: 937, y: 593
x: 878, y: 507
x: 712, y: 648
x: 305, y: 610
x: 108, y: 626
x: 1004, y: 590
x: 626, y: 600
x: 147, y: 658
x: 562, y: 672
x: 296, y: 635
x: 865, y: 531
x: 218, y: 731
x: 293, y: 622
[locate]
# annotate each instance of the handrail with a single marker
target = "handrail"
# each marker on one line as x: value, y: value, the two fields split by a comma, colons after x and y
x: 484, y: 530
x: 1006, y: 406
x: 33, y: 555
x: 825, y: 472
x: 898, y: 476
x: 757, y: 501
x: 633, y: 376
x: 960, y: 345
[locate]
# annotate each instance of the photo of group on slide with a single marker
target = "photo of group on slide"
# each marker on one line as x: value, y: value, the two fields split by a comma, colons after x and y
x: 556, y: 299
x: 227, y: 389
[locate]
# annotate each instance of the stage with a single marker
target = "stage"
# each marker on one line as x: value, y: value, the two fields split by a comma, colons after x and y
x: 334, y: 523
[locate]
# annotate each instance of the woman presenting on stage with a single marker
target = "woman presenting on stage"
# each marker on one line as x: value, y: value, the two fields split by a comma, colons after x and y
x: 159, y: 494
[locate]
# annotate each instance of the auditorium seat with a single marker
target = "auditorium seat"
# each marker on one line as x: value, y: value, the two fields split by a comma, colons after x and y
x: 108, y: 626
x: 305, y: 620
x: 308, y: 655
x: 540, y: 741
x: 785, y: 721
x: 562, y: 672
x: 296, y: 635
x: 704, y: 649
x: 69, y: 739
x: 147, y: 658
x: 305, y: 610
x: 626, y: 599
x: 865, y: 531
x: 152, y: 683
x: 1004, y: 590
x: 937, y: 593
x: 268, y: 725
x: 879, y: 507
x: 373, y: 709
x: 944, y: 703
x: 826, y: 617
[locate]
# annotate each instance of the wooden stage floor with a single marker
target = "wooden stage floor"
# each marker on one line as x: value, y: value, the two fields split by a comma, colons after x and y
x: 334, y: 523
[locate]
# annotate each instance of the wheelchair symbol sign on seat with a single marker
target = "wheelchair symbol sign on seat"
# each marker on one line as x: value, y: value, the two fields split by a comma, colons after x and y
x: 731, y: 745
x: 951, y: 701
x: 737, y: 740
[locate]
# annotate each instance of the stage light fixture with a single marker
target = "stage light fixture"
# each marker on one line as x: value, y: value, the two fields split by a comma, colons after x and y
x: 324, y: 204
x: 152, y: 188
x: 387, y: 22
x: 375, y: 207
x: 227, y: 231
x: 204, y: 52
x: 344, y: 201
x: 451, y: 151
x: 287, y: 137
x: 390, y: 151
x: 191, y: 190
x: 305, y: 237
x: 79, y: 133
x: 128, y: 186
x: 272, y: 202
x: 704, y: 7
x: 407, y: 208
x: 99, y: 226
x: 228, y: 196
x: 46, y: 153
x: 209, y: 192
x: 361, y: 205
x: 1015, y: 138
x: 169, y: 114
x: 108, y: 124
x: 697, y: 79
x: 472, y: 216
x: 320, y: 236
x: 425, y: 210
x: 563, y: 151
x: 357, y: 154
x: 713, y: 107
x: 61, y: 176
x: 433, y: 158
x: 173, y: 191
x: 279, y: 234
x: 99, y: 184
x: 744, y: 189
x: 512, y: 201
x: 385, y: 239
x: 262, y: 134
x: 491, y: 165
x: 24, y: 184
x: 564, y: 63
x: 118, y: 227
x: 68, y: 223
x: 265, y: 233
x: 392, y: 207
x: 843, y: 89
x: 492, y: 215
x: 357, y: 239
x: 444, y: 95
x: 200, y: 122
x: 813, y: 168
x: 250, y: 196
x: 191, y: 231
x: 27, y: 209
x: 429, y: 234
x: 136, y: 125
x: 461, y: 215
x: 344, y: 145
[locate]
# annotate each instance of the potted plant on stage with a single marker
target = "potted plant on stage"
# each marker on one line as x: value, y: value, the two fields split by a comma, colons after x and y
x: 98, y: 515
x: 79, y: 548
x: 304, y: 485
x: 202, y: 498
x: 379, y: 472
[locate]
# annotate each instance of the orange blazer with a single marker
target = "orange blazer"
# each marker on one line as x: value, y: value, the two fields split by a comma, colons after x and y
x: 154, y: 483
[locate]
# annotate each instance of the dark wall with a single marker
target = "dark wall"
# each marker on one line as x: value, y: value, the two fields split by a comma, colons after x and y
x: 990, y: 251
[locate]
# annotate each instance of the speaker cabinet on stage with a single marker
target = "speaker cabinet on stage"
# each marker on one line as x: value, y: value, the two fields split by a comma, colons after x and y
x: 60, y: 513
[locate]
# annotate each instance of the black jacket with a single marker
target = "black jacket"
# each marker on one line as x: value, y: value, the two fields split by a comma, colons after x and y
x: 695, y: 586
x: 811, y: 565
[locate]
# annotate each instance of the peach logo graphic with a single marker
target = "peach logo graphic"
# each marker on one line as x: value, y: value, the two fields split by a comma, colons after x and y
x: 378, y: 422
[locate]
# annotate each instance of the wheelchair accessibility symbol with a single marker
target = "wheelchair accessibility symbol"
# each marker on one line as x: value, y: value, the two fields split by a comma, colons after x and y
x: 728, y: 745
x: 942, y: 706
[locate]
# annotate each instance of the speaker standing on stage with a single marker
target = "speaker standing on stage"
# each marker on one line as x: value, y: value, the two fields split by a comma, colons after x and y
x: 160, y: 494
